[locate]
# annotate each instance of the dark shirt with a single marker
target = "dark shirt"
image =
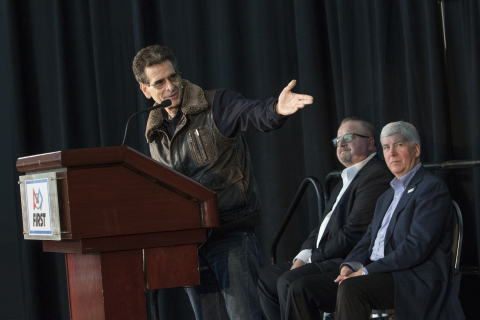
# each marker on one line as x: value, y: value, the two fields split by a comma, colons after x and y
x: 232, y: 112
x: 171, y: 124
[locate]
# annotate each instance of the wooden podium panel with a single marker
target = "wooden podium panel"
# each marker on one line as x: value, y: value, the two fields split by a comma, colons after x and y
x: 116, y: 201
x: 170, y: 267
x: 127, y: 242
x: 123, y: 285
x: 111, y: 285
x: 85, y: 286
x: 127, y: 223
x: 106, y: 286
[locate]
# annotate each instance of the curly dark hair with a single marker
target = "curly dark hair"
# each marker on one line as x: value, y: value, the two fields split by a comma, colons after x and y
x: 150, y: 56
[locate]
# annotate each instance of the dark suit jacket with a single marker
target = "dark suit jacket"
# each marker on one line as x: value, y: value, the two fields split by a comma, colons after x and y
x: 418, y: 249
x: 351, y: 217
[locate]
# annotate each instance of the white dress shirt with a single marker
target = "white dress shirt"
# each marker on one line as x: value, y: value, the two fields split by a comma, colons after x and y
x: 348, y: 174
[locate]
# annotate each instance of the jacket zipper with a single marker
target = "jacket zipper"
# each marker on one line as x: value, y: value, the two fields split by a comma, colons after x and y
x: 201, y: 149
x: 194, y: 147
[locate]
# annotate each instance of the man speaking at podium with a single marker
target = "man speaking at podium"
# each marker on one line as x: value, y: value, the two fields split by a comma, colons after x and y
x: 200, y: 136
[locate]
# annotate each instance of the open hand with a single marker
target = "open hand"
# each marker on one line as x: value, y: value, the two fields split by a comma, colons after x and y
x: 289, y: 102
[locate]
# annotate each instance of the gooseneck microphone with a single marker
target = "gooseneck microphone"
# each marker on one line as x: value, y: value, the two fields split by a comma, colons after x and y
x: 165, y: 103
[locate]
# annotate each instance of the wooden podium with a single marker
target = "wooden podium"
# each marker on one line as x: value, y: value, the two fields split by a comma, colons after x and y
x: 127, y: 224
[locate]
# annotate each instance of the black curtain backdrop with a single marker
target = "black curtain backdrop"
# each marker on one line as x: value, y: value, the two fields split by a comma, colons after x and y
x: 66, y: 82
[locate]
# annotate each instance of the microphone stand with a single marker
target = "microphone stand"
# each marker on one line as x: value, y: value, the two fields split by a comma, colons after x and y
x: 165, y: 103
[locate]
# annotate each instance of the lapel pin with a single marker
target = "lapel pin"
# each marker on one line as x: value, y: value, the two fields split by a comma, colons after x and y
x: 410, y: 190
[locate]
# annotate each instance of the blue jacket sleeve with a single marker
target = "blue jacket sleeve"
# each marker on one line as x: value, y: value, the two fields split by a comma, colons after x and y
x: 232, y: 112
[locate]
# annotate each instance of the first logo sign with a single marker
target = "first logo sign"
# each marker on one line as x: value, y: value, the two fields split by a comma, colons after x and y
x: 40, y: 210
x: 38, y: 206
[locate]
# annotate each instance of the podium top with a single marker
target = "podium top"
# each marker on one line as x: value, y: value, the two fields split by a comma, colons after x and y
x: 78, y: 158
x: 82, y: 161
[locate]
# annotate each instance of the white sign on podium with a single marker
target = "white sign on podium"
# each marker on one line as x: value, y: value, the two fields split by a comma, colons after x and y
x: 40, y: 209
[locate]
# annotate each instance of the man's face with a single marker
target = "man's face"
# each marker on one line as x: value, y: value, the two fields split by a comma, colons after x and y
x: 358, y: 149
x: 400, y: 156
x: 171, y: 90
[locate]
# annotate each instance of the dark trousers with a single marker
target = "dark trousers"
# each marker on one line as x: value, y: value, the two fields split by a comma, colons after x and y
x: 229, y: 268
x: 273, y: 285
x: 353, y: 299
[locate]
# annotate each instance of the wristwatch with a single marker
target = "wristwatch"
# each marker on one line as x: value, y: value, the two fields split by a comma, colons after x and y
x: 363, y: 272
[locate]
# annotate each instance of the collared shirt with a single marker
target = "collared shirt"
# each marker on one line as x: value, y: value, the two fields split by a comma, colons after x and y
x: 348, y: 174
x: 399, y: 186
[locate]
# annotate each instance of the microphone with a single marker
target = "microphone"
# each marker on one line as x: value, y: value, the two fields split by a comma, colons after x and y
x: 163, y: 104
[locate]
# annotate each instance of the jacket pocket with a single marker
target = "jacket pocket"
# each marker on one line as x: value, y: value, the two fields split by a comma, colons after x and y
x: 221, y: 179
x: 230, y: 190
x: 202, y: 145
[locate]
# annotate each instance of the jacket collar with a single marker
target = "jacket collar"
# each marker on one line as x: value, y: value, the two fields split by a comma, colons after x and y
x: 334, y: 195
x: 367, y: 165
x: 193, y: 102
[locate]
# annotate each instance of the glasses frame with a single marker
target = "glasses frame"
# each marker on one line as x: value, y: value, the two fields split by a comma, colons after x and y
x: 156, y: 83
x: 338, y: 139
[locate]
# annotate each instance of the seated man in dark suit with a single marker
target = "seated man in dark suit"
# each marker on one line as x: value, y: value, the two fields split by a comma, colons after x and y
x: 404, y: 260
x: 346, y: 217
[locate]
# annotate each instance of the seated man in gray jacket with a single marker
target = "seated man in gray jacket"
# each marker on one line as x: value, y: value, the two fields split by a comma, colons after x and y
x: 345, y: 220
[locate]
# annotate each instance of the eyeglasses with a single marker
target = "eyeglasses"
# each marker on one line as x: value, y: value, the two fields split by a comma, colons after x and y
x: 160, y: 84
x: 347, y: 138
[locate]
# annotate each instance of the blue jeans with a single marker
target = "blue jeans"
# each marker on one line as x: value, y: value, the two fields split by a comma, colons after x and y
x: 229, y: 269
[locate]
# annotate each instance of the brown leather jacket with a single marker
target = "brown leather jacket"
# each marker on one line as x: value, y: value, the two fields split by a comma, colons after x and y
x: 199, y: 151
